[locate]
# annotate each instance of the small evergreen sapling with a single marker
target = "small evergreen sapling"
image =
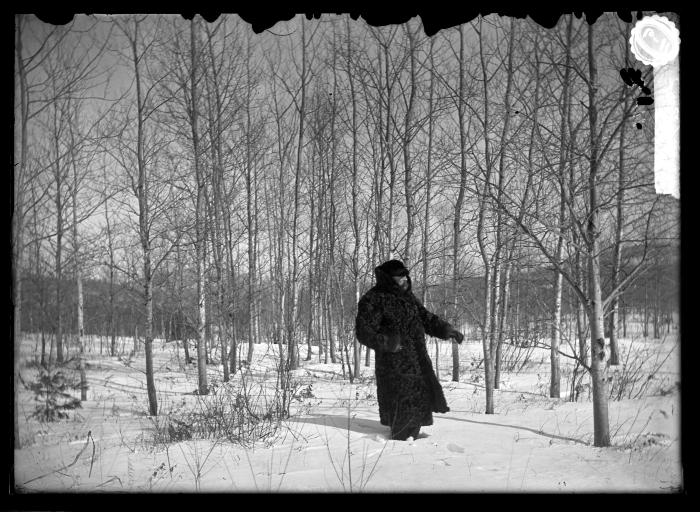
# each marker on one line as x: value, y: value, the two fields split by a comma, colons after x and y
x: 51, y: 391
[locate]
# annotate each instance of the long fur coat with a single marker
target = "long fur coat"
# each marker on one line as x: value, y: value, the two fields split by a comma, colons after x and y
x: 393, y: 323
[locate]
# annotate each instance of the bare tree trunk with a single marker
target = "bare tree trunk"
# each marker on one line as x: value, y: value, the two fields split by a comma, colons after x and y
x: 78, y: 272
x: 407, y: 139
x: 318, y: 321
x: 282, y: 325
x: 231, y: 304
x: 619, y: 223
x: 657, y: 301
x: 312, y: 217
x: 110, y: 248
x: 215, y: 135
x: 375, y: 247
x: 281, y: 229
x: 136, y: 337
x: 645, y: 321
x: 209, y: 345
x: 428, y: 176
x: 581, y: 320
x: 355, y: 192
x: 389, y: 149
x: 555, y: 374
x: 486, y: 330
x: 218, y: 246
x: 443, y: 299
x: 58, y: 176
x: 251, y: 211
x: 495, y: 309
x: 428, y: 196
x: 291, y: 341
x: 150, y: 382
x: 40, y: 282
x: 322, y: 332
x: 601, y: 430
x: 505, y: 294
x: 200, y: 229
x: 329, y: 326
x: 499, y: 260
x: 380, y: 246
x: 461, y: 115
x: 42, y: 305
x: 144, y: 226
x: 222, y: 317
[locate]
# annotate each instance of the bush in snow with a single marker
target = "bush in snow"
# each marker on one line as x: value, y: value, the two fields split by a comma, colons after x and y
x: 241, y: 412
x: 52, y: 392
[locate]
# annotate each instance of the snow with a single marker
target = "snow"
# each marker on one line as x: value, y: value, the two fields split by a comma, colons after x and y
x: 333, y: 441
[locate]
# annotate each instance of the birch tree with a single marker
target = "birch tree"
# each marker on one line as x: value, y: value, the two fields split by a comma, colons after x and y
x: 221, y: 90
x: 251, y: 207
x: 457, y: 221
x: 555, y: 377
x: 284, y: 142
x: 60, y: 177
x: 355, y: 192
x: 502, y: 260
x: 138, y: 157
x: 409, y: 130
x: 78, y: 266
x: 385, y: 84
x: 200, y: 229
x: 595, y: 306
x: 425, y: 235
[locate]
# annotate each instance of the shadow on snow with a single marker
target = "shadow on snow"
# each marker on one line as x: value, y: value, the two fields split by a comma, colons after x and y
x: 517, y: 427
x: 358, y: 425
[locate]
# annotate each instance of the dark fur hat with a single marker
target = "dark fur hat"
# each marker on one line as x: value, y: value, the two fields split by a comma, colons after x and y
x: 394, y: 268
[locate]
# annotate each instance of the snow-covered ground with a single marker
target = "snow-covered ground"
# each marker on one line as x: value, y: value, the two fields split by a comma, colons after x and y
x: 333, y: 440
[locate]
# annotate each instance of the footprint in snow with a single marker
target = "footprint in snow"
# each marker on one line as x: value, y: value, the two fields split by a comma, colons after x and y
x: 455, y: 448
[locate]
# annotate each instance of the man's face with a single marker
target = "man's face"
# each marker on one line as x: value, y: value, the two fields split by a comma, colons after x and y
x: 402, y: 281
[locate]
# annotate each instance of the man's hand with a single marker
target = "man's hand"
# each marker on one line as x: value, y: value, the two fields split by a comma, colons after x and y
x: 455, y: 335
x: 391, y: 342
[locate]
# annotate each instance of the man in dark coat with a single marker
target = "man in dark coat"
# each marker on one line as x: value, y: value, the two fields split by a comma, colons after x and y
x: 392, y: 321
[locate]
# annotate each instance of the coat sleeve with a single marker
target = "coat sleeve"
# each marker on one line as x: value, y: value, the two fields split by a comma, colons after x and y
x: 433, y: 324
x: 368, y: 323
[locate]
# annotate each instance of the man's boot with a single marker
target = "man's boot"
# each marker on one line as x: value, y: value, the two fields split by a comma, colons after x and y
x: 404, y: 433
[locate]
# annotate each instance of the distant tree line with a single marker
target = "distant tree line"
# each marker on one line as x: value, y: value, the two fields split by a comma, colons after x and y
x: 651, y: 302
